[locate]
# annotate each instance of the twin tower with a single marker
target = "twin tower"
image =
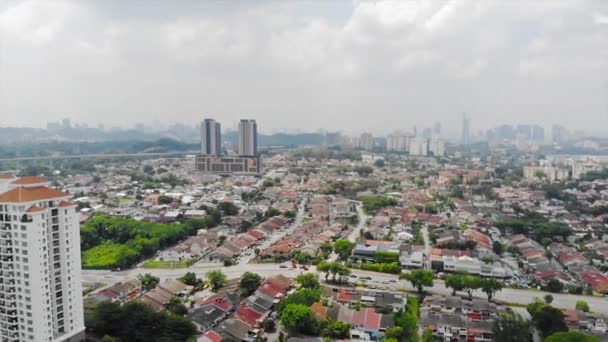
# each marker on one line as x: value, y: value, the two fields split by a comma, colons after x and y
x: 211, y: 159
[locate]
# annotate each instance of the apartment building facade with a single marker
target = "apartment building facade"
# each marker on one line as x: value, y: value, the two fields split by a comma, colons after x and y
x: 40, y: 275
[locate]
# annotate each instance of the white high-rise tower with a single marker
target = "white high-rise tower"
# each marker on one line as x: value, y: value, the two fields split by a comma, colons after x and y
x: 211, y: 138
x: 248, y: 138
x: 40, y: 274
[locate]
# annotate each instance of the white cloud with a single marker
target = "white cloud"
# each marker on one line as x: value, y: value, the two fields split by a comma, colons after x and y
x: 385, y: 61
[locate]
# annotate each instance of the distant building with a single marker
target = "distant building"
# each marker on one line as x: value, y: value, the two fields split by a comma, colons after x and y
x: 559, y: 134
x: 538, y: 134
x: 466, y: 130
x: 419, y: 147
x: 241, y: 165
x: 248, y: 138
x: 437, y: 147
x: 211, y: 160
x: 211, y: 138
x: 437, y: 129
x: 366, y: 141
x: 398, y: 142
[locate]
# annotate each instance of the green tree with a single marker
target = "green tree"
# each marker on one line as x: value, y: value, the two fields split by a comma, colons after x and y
x: 427, y: 335
x: 302, y: 296
x: 343, y: 248
x: 269, y: 325
x: 308, y: 280
x: 547, y: 319
x: 364, y: 171
x: 249, y: 283
x: 471, y: 283
x: 498, y: 247
x: 582, y: 306
x: 189, y: 279
x: 228, y: 208
x: 572, y: 336
x: 419, y: 279
x: 455, y: 282
x: 548, y: 298
x: 334, y: 329
x: 148, y: 281
x: 177, y: 307
x: 162, y: 199
x: 511, y: 327
x: 379, y: 163
x: 490, y: 286
x: 554, y: 285
x: 216, y: 279
x: 298, y: 318
x: 394, y: 332
x: 137, y: 322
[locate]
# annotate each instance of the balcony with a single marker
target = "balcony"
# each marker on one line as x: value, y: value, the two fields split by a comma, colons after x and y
x: 26, y: 219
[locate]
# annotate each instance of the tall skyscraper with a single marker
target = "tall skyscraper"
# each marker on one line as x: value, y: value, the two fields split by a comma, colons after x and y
x: 211, y: 138
x: 366, y: 141
x: 40, y: 277
x: 437, y: 129
x: 248, y: 138
x: 466, y: 128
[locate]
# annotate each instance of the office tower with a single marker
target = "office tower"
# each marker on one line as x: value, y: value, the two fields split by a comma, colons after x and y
x: 466, y: 127
x: 211, y: 138
x: 419, y: 147
x: 248, y: 138
x: 538, y: 134
x: 524, y: 131
x: 40, y: 278
x: 505, y: 133
x: 437, y: 147
x: 437, y: 129
x: 333, y: 139
x: 427, y: 133
x: 366, y: 141
x: 559, y: 134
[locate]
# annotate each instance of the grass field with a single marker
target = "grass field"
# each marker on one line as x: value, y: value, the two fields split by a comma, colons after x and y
x: 168, y: 264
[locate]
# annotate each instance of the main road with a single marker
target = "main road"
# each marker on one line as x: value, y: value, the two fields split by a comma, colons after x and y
x: 373, y: 279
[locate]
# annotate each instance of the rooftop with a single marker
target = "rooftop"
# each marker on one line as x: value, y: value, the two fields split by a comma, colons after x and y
x: 19, y: 195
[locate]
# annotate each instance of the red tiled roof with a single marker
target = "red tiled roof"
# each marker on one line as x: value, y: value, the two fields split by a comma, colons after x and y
x: 34, y: 209
x: 367, y: 318
x: 248, y: 315
x: 596, y: 280
x: 345, y: 295
x: 29, y: 180
x: 218, y: 301
x: 7, y: 176
x: 212, y: 336
x: 18, y: 195
x: 65, y: 204
x: 319, y: 310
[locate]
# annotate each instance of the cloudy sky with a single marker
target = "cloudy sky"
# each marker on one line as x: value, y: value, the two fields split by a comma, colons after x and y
x: 305, y: 64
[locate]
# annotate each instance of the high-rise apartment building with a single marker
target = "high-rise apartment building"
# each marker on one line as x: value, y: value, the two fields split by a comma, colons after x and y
x: 399, y: 142
x: 211, y: 138
x: 366, y: 141
x: 40, y: 277
x: 466, y: 130
x: 248, y: 138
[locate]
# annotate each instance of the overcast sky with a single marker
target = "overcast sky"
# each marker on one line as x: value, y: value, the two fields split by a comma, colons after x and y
x: 305, y: 65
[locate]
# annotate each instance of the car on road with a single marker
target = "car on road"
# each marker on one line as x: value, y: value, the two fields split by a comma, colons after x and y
x: 366, y: 278
x: 282, y: 266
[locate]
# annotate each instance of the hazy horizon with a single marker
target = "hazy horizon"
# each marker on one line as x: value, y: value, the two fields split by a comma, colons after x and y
x: 348, y: 66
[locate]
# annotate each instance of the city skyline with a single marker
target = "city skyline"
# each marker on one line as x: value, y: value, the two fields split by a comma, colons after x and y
x: 358, y: 65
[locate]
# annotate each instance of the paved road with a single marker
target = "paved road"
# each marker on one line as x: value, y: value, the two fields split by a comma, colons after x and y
x: 279, y: 235
x: 355, y: 232
x: 380, y: 280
